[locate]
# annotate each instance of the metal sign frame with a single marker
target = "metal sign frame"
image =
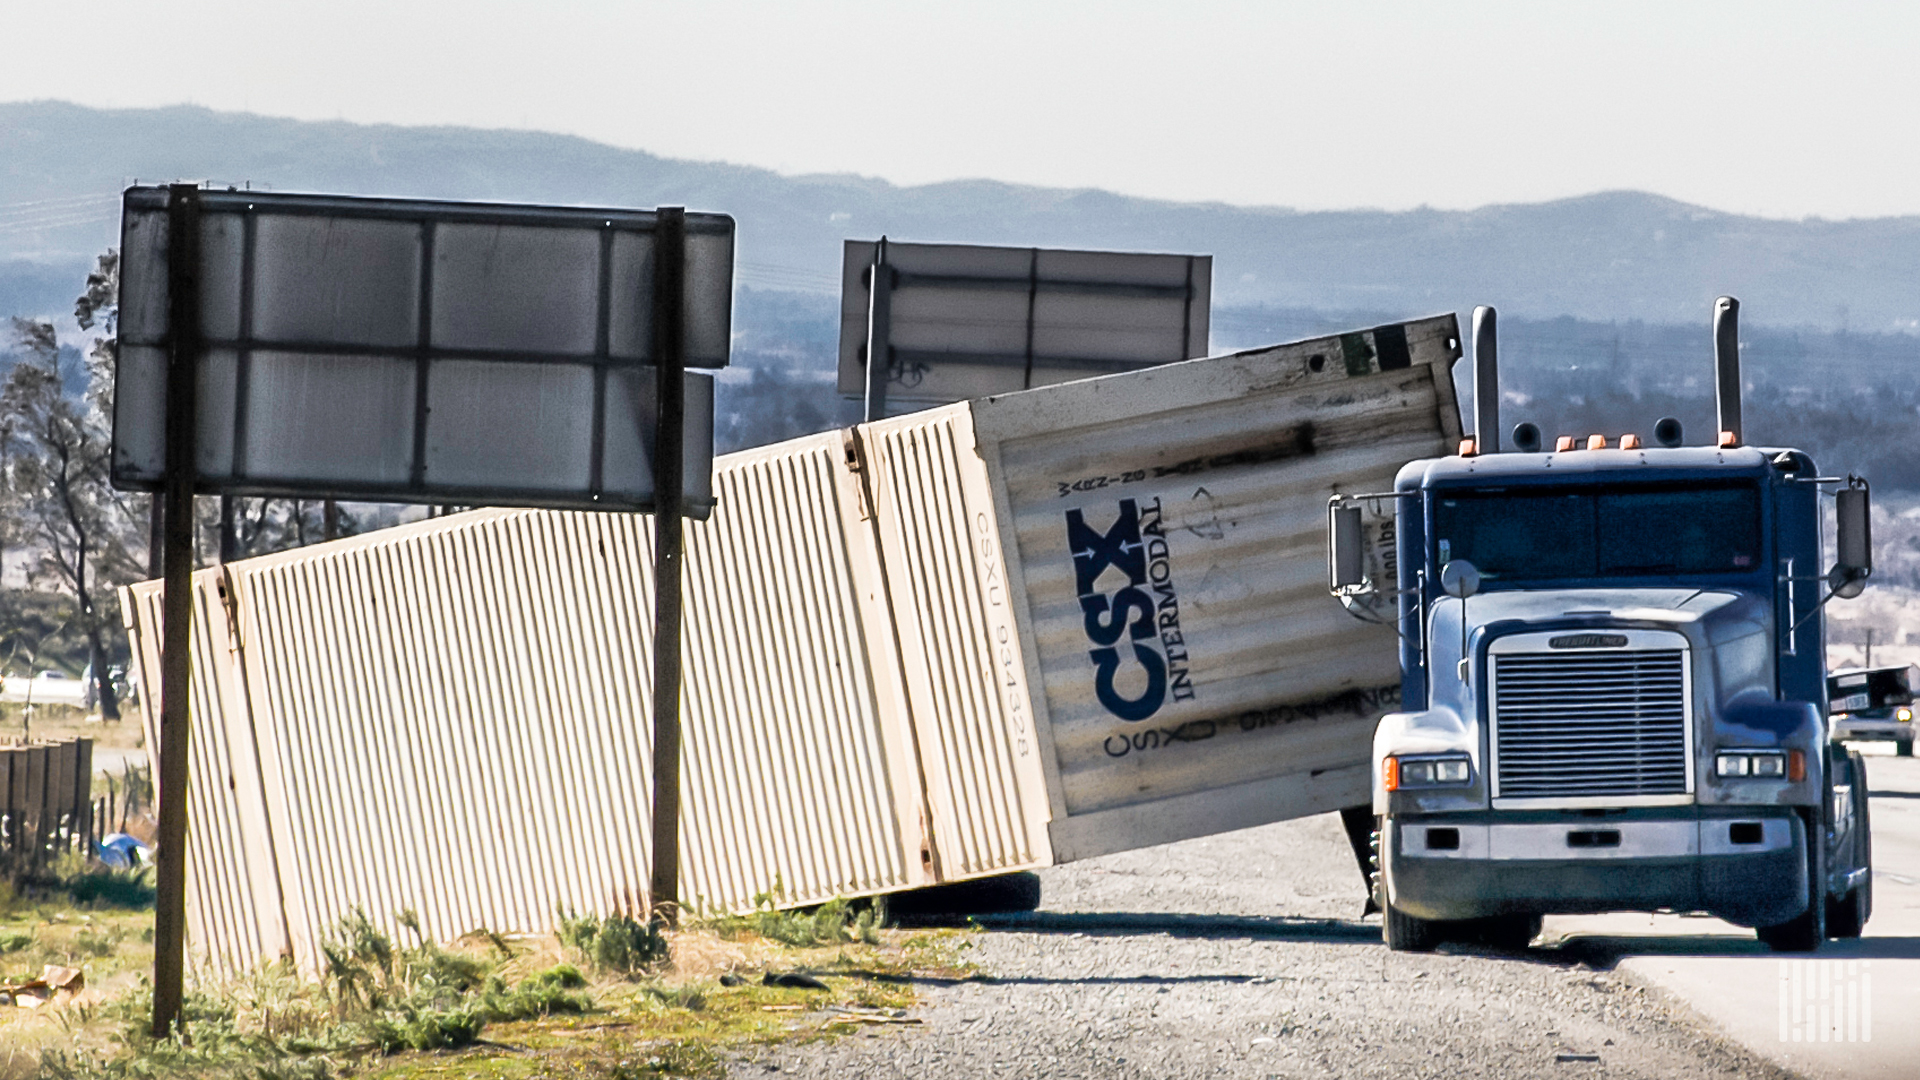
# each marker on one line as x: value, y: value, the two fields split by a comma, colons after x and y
x: 957, y: 321
x: 418, y: 351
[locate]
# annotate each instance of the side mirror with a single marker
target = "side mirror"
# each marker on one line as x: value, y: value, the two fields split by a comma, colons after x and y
x: 1853, y: 542
x: 1459, y: 578
x: 1346, y: 551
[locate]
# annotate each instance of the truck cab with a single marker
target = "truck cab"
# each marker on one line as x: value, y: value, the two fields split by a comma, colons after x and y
x: 1614, y: 685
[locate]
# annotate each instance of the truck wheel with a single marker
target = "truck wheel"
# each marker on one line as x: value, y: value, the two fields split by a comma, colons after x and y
x: 1798, y: 934
x: 1512, y: 932
x: 1847, y: 916
x: 1409, y: 933
x: 1805, y: 931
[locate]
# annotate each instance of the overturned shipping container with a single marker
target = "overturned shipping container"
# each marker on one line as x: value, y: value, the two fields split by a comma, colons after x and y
x: 980, y: 638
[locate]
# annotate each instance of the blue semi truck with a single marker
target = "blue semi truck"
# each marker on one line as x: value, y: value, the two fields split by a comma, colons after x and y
x: 1614, y: 684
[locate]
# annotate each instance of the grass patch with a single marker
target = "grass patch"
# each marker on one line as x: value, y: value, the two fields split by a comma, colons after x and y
x: 619, y: 943
x: 833, y: 923
x: 397, y: 1006
x: 689, y: 1059
x: 103, y: 885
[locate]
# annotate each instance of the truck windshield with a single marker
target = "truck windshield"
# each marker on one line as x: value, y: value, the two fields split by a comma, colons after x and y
x: 1557, y: 533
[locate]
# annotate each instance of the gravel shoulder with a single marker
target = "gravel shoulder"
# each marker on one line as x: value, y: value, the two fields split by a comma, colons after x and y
x: 1241, y: 955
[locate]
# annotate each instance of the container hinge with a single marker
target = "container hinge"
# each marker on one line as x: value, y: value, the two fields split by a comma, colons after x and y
x: 857, y: 465
x: 229, y: 608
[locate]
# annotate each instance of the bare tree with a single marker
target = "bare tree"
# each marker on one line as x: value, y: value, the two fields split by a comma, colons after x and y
x: 88, y: 537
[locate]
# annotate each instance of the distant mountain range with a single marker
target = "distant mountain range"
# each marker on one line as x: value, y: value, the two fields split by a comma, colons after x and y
x: 1615, y: 256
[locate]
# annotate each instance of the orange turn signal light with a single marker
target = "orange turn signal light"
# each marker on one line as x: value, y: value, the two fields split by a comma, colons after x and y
x: 1390, y: 773
x: 1796, y: 765
x: 1563, y: 444
x: 1629, y: 442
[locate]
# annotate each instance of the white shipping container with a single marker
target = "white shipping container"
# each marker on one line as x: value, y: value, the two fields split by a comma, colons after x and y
x: 987, y: 637
x: 1111, y: 593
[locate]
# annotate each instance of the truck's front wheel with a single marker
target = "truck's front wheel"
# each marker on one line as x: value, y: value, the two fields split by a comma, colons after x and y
x: 1806, y: 931
x: 1409, y: 933
x: 1510, y: 932
x: 1402, y: 932
x: 1847, y: 916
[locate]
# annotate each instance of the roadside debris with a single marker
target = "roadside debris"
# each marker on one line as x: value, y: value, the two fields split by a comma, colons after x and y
x: 37, y: 992
x: 792, y: 980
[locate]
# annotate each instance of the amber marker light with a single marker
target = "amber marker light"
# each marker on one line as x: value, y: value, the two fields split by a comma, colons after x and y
x: 1390, y: 773
x: 1469, y: 447
x: 1596, y: 442
x: 1796, y: 766
x: 1728, y: 439
x: 1563, y: 444
x: 1629, y: 442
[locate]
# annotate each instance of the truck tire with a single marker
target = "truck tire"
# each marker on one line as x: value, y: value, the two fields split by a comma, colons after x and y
x: 1804, y: 932
x: 1848, y: 915
x: 1508, y: 932
x: 1409, y: 933
x: 1402, y: 932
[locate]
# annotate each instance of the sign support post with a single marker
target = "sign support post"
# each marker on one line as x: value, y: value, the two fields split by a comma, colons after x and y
x: 669, y: 357
x: 176, y: 668
x: 879, y: 332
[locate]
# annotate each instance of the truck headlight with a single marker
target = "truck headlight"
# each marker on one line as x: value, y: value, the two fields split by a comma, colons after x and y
x: 1903, y: 715
x: 1770, y: 764
x: 1401, y: 772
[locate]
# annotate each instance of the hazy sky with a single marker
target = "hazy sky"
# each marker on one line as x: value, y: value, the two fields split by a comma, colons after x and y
x: 1783, y: 109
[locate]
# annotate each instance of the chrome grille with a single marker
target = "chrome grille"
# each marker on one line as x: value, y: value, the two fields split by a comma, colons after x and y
x: 1574, y: 724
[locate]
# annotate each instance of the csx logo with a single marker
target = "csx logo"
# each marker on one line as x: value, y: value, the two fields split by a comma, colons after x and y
x: 1145, y: 611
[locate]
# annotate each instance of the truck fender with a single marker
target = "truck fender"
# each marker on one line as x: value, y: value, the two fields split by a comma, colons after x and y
x: 1791, y: 723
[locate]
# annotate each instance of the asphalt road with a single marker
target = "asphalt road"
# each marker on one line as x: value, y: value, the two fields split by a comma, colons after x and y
x: 1858, y: 1012
x: 1242, y: 955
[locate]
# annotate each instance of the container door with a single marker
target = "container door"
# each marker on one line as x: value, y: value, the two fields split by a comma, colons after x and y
x: 959, y: 644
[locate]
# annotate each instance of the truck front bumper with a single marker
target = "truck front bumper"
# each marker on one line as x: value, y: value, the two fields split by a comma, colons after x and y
x: 1747, y: 865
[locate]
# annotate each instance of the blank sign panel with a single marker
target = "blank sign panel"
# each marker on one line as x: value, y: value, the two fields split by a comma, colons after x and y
x: 969, y: 321
x: 418, y: 351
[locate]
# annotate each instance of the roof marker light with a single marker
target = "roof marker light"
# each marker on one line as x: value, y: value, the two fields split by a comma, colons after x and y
x: 1469, y: 447
x: 1596, y: 442
x: 1728, y: 440
x: 1563, y: 444
x: 1629, y: 442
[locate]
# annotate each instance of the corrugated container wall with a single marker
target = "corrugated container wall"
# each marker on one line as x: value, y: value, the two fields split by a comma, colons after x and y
x: 980, y: 638
x: 453, y: 717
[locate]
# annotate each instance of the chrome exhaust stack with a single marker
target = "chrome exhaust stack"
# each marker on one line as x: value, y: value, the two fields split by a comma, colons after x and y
x: 1486, y: 382
x: 1726, y: 367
